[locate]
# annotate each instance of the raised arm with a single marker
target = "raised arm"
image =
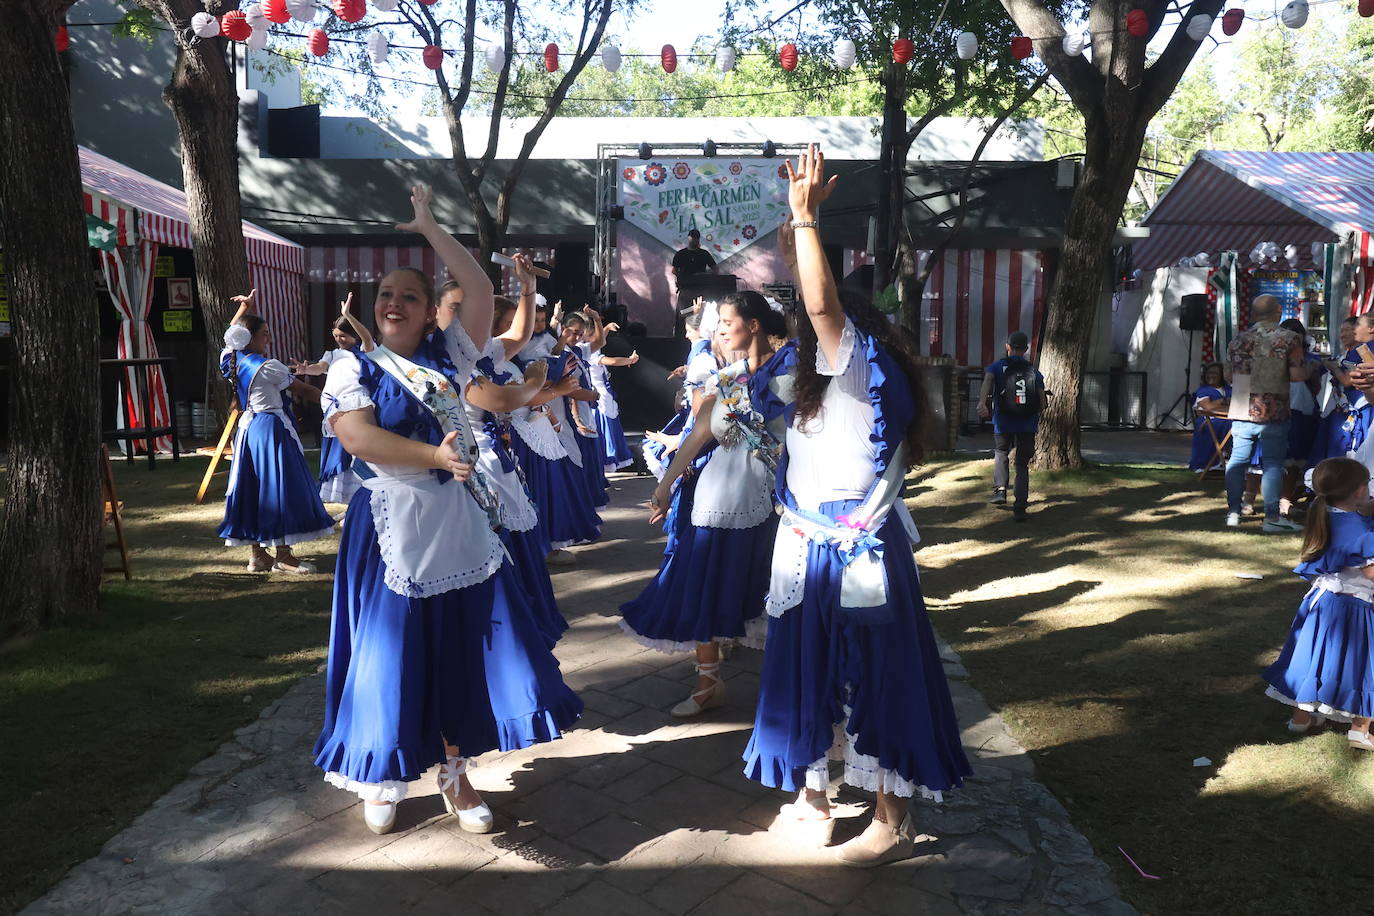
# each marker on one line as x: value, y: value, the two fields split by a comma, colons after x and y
x: 478, y: 293
x: 807, y: 190
x: 504, y: 398
x: 522, y: 325
x: 360, y: 331
x: 245, y: 306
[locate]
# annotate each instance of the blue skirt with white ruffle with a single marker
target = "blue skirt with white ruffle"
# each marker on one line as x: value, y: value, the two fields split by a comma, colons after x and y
x: 1327, y: 665
x: 273, y: 498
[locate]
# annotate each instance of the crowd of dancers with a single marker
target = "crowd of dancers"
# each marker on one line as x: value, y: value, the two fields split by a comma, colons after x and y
x: 471, y: 441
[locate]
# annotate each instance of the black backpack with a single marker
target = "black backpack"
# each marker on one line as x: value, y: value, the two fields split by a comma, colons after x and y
x: 1020, y: 395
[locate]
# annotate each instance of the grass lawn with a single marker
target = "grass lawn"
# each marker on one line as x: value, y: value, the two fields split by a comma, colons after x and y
x: 101, y: 717
x: 1113, y: 635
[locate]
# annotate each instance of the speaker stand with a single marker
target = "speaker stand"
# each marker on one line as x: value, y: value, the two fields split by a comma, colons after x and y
x: 1185, y: 399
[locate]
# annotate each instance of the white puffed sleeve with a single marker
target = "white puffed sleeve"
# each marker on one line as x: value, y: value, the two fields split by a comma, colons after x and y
x: 343, y: 389
x: 700, y: 370
x: 852, y: 372
x: 462, y: 352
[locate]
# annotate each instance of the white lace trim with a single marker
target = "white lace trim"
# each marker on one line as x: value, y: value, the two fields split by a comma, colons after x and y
x: 397, y: 543
x: 618, y: 465
x: 733, y: 491
x: 862, y: 771
x: 346, y: 403
x: 1336, y: 715
x: 848, y: 341
x: 517, y: 511
x: 535, y: 430
x: 299, y: 538
x: 755, y: 634
x: 340, y: 488
x: 389, y: 791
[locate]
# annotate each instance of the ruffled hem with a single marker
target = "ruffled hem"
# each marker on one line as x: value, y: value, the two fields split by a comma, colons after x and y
x: 368, y: 791
x: 542, y: 442
x: 286, y: 541
x: 755, y: 635
x: 339, y: 488
x: 621, y: 465
x: 1322, y: 709
x: 540, y: 726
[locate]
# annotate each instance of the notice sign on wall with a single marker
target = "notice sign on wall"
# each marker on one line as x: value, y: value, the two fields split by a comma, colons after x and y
x: 164, y: 266
x: 731, y: 202
x: 1288, y: 286
x: 178, y: 322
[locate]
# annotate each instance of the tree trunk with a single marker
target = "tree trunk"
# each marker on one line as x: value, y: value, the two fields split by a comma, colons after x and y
x: 50, y: 522
x: 1071, y: 309
x: 204, y: 100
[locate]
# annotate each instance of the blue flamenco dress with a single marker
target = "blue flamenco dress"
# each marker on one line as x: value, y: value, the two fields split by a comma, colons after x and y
x: 338, y: 483
x: 433, y: 640
x: 852, y: 670
x: 1326, y: 665
x: 1344, y: 428
x: 1203, y: 448
x: 273, y: 500
x: 580, y: 415
x: 615, y: 451
x: 713, y: 583
x: 656, y: 456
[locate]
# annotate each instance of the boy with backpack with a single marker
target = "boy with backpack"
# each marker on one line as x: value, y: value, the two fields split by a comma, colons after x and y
x: 1017, y: 392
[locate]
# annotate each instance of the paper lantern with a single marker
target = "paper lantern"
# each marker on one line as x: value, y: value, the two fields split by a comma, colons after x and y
x: 301, y: 10
x: 966, y: 46
x: 1231, y: 20
x: 1200, y: 26
x: 275, y: 11
x: 495, y: 57
x: 1021, y: 47
x: 253, y: 13
x: 845, y: 54
x: 1073, y: 45
x: 788, y: 57
x: 234, y: 25
x: 551, y: 57
x: 61, y: 39
x: 350, y: 10
x: 1294, y: 15
x: 1366, y: 8
x: 429, y: 2
x: 1290, y: 254
x: 318, y: 42
x: 378, y: 47
x: 204, y: 25
x: 725, y: 58
x: 1138, y: 23
x: 433, y: 56
x: 903, y: 50
x: 257, y: 39
x: 668, y: 57
x: 610, y: 58
x: 385, y: 6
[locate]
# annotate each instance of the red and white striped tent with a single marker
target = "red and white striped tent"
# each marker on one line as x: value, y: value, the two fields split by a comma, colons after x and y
x: 147, y: 213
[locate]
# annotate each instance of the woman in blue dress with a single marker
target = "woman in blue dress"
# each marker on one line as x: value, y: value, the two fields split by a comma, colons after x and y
x: 1325, y: 670
x: 273, y: 500
x: 711, y: 587
x: 579, y: 430
x: 852, y: 670
x: 615, y: 451
x: 1208, y: 396
x: 435, y: 655
x: 659, y: 446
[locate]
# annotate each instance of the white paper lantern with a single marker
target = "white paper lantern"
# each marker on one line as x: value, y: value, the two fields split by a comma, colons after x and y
x: 301, y: 10
x: 1290, y: 254
x: 385, y: 6
x: 845, y: 54
x: 1199, y: 26
x: 378, y: 47
x: 610, y: 58
x: 495, y: 57
x: 1318, y: 253
x: 257, y: 40
x: 1294, y: 15
x: 204, y: 25
x: 253, y: 14
x: 966, y: 45
x: 725, y: 58
x: 1074, y: 44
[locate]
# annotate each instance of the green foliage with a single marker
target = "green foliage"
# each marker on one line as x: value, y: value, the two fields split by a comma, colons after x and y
x: 1351, y: 116
x: 137, y: 22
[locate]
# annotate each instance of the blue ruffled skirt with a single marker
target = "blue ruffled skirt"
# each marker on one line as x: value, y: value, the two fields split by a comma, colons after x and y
x: 273, y: 499
x: 528, y: 550
x: 561, y: 494
x: 1326, y: 665
x: 1203, y: 447
x: 615, y: 451
x: 654, y: 455
x: 338, y: 483
x: 469, y: 667
x: 712, y: 586
x: 883, y: 682
x: 591, y: 467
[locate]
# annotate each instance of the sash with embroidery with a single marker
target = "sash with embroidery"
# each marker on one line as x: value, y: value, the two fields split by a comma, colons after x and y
x: 747, y: 425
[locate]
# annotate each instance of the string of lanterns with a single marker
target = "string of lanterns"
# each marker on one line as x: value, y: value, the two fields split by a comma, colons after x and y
x: 251, y: 24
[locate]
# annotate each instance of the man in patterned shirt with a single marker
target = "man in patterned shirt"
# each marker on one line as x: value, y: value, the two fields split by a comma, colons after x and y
x: 1259, y: 365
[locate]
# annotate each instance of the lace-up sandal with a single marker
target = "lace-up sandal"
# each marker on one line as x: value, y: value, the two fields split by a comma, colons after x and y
x: 379, y: 818
x: 476, y: 819
x: 702, y: 700
x: 879, y: 844
x: 808, y: 819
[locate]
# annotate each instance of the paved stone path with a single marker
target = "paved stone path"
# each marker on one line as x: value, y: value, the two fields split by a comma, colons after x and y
x: 635, y: 812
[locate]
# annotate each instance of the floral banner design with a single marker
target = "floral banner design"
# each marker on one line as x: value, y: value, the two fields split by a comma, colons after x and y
x: 732, y: 202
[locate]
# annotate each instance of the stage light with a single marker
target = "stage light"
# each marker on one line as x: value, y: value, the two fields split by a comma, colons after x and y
x: 708, y: 149
x: 646, y: 151
x: 769, y: 150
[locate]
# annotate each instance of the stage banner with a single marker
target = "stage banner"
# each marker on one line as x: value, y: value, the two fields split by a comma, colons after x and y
x: 732, y: 202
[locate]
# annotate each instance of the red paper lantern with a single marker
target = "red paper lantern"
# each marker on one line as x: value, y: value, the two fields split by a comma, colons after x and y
x: 429, y: 2
x: 788, y: 57
x: 1021, y: 47
x: 1231, y: 21
x: 275, y: 11
x: 1138, y: 23
x: 350, y: 10
x: 433, y: 56
x: 61, y: 39
x: 551, y: 57
x: 1366, y: 8
x: 903, y: 50
x: 318, y: 42
x: 234, y: 26
x: 668, y: 56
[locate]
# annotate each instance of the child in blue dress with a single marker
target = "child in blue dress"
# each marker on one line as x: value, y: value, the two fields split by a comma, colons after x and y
x: 1212, y: 390
x: 434, y: 655
x: 852, y: 670
x: 615, y: 451
x: 579, y: 431
x: 711, y: 587
x: 273, y: 500
x: 1326, y: 668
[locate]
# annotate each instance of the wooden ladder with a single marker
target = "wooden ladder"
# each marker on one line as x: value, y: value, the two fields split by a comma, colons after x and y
x: 113, y: 514
x: 224, y: 438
